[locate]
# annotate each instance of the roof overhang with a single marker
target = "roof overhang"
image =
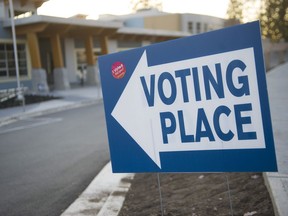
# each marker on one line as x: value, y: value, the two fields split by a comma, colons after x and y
x: 45, y: 26
x: 36, y: 3
x: 67, y: 27
x: 152, y: 35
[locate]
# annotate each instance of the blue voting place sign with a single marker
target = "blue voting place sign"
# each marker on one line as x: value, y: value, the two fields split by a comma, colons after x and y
x: 195, y: 104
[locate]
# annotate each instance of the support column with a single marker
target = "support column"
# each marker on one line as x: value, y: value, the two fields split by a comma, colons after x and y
x: 92, y: 69
x: 108, y: 45
x: 61, y: 81
x: 104, y: 45
x: 89, y: 50
x: 39, y: 77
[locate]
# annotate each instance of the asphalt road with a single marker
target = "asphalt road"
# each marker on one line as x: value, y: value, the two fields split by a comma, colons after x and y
x: 46, y: 162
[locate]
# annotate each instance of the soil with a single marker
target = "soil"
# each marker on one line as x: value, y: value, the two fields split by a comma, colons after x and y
x: 29, y: 99
x: 201, y: 194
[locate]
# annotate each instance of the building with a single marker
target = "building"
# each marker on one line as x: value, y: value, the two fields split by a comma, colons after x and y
x: 155, y: 19
x: 54, y: 53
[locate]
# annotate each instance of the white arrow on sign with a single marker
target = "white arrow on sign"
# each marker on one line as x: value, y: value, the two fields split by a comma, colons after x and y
x: 142, y: 122
x: 131, y: 114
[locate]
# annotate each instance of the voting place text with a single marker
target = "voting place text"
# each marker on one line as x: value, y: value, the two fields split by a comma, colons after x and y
x: 206, y: 103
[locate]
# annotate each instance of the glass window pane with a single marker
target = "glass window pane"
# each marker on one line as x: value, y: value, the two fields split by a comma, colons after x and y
x: 22, y: 63
x: 21, y: 47
x: 198, y: 27
x: 23, y: 72
x: 22, y: 55
x: 10, y: 55
x: 7, y: 60
x: 2, y: 64
x: 2, y: 55
x: 12, y: 72
x: 11, y: 64
x: 3, y: 73
x: 9, y: 47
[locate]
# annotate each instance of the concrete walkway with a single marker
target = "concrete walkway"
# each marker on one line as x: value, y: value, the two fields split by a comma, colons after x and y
x: 277, y: 183
x: 70, y: 99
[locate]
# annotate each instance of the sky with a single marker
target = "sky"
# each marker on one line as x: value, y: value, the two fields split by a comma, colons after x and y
x: 92, y: 8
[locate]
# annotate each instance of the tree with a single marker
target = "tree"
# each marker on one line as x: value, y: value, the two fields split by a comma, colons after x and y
x: 273, y: 15
x: 146, y: 4
x: 235, y: 10
x: 244, y: 10
x: 274, y: 19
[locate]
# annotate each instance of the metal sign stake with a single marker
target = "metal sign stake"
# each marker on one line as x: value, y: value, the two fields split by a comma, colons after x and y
x: 160, y: 194
x: 229, y: 195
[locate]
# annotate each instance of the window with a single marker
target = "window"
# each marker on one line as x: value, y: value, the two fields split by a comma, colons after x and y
x: 7, y: 60
x: 198, y: 27
x: 205, y: 27
x: 190, y: 27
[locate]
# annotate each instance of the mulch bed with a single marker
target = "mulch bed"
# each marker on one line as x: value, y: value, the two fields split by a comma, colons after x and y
x: 201, y: 194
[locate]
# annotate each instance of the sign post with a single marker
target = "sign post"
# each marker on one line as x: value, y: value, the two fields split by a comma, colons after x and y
x: 196, y: 104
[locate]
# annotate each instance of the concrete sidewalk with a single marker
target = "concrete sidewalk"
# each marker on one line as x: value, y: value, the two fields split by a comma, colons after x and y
x: 277, y: 183
x: 69, y: 99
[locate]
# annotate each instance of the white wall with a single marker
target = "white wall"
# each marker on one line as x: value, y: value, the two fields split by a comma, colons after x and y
x: 112, y: 46
x: 2, y: 10
x: 70, y: 59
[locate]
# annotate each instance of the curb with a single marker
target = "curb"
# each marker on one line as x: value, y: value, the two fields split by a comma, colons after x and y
x: 104, y: 196
x: 276, y: 184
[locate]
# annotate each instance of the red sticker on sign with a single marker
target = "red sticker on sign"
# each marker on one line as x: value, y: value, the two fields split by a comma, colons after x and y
x: 118, y: 70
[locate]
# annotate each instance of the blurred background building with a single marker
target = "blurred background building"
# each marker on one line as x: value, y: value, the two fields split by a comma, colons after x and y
x: 60, y: 53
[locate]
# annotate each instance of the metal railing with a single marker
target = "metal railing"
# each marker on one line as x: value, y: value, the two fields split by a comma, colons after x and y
x: 7, y: 94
